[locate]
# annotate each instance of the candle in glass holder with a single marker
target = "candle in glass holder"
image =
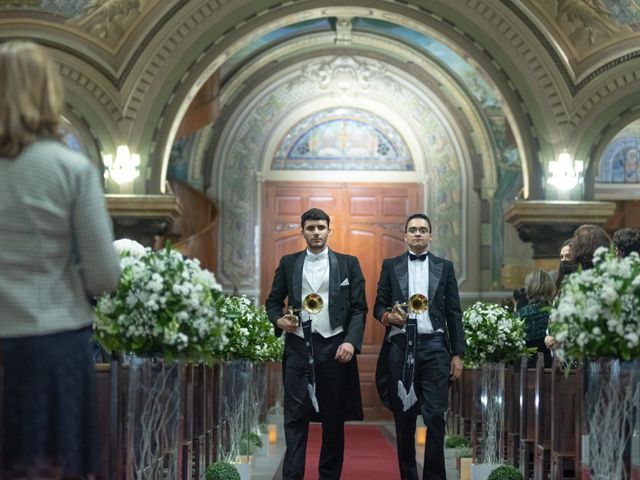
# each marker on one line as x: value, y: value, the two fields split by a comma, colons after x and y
x: 273, y: 433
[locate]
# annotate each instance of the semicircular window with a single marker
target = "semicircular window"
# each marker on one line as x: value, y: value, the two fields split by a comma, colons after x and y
x: 621, y: 161
x: 343, y: 139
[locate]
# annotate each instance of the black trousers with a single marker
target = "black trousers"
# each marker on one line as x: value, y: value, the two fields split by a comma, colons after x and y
x: 432, y: 388
x: 331, y: 388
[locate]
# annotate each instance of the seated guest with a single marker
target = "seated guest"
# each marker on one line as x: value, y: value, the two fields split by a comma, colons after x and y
x: 626, y: 240
x: 540, y: 291
x: 565, y: 261
x: 519, y: 299
x: 585, y: 241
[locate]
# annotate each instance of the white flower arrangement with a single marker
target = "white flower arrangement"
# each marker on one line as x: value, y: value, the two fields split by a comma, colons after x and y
x: 164, y: 305
x: 493, y: 334
x: 250, y: 334
x: 598, y: 310
x: 130, y: 247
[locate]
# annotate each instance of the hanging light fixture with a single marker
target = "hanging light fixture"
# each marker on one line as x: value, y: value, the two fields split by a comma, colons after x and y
x: 565, y: 173
x: 125, y: 167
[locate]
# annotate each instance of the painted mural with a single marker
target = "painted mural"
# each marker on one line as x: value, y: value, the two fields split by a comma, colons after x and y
x: 490, y: 101
x: 106, y: 19
x: 620, y: 162
x: 343, y: 139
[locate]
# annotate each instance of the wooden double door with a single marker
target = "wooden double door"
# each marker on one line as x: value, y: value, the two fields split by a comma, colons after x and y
x: 367, y: 220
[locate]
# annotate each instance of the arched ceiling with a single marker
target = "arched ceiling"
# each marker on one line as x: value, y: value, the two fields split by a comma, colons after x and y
x: 136, y: 64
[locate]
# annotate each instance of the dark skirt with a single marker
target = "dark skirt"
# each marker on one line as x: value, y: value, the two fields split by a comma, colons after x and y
x: 49, y: 405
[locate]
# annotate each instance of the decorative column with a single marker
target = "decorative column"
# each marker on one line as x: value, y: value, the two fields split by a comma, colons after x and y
x: 546, y: 224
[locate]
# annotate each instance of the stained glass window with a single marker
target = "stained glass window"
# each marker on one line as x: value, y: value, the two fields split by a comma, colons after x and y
x: 343, y: 139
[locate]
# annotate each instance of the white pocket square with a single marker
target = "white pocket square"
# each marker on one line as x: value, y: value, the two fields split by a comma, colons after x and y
x: 345, y: 282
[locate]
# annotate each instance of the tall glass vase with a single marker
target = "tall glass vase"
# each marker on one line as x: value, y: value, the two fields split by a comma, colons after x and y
x: 611, y: 400
x: 235, y: 409
x: 153, y: 419
x: 490, y: 398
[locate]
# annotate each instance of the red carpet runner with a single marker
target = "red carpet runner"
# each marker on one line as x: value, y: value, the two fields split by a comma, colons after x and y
x: 368, y: 455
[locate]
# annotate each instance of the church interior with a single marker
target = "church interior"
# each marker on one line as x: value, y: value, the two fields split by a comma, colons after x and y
x: 216, y: 123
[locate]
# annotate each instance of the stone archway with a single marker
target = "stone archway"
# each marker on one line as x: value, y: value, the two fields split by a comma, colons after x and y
x: 249, y: 132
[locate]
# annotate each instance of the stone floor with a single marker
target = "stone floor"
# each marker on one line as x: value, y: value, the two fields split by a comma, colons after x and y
x: 266, y: 463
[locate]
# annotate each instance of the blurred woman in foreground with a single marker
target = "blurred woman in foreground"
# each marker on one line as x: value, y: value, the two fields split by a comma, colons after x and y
x: 56, y: 253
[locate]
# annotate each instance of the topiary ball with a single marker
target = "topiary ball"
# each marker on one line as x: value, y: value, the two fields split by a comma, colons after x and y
x: 505, y: 472
x: 222, y: 471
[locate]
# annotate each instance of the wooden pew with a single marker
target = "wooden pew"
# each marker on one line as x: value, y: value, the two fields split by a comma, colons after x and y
x: 467, y: 405
x: 512, y: 415
x: 200, y: 386
x: 527, y: 419
x: 542, y: 421
x: 565, y: 423
x: 455, y: 409
x: 214, y: 424
x: 111, y: 391
x: 186, y: 420
x: 475, y: 420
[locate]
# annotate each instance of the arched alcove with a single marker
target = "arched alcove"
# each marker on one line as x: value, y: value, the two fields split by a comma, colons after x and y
x: 258, y: 126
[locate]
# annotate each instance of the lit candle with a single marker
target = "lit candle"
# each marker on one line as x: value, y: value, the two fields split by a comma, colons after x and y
x: 421, y: 435
x: 273, y: 433
x: 465, y: 468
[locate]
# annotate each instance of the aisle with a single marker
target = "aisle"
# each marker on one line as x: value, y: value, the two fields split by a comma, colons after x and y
x: 368, y: 453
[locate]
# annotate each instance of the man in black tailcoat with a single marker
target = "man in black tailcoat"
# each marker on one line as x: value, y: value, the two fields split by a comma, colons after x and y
x: 422, y: 352
x: 319, y: 367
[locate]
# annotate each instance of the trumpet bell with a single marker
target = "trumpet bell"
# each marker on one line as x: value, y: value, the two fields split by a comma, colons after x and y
x: 313, y: 303
x: 418, y: 303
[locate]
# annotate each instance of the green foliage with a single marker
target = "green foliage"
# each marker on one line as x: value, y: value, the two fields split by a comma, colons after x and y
x: 493, y: 334
x: 250, y: 332
x: 455, y: 441
x: 249, y: 443
x: 164, y: 305
x: 505, y: 472
x: 221, y: 471
x: 464, y: 452
x: 597, y: 313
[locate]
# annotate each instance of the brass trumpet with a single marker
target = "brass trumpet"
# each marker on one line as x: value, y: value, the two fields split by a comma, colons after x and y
x: 417, y: 304
x: 312, y: 303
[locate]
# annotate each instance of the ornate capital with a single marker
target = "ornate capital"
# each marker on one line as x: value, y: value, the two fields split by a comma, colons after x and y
x: 546, y: 224
x: 141, y: 217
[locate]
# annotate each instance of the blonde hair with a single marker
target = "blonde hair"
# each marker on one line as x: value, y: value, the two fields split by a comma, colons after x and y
x: 31, y: 98
x: 539, y: 286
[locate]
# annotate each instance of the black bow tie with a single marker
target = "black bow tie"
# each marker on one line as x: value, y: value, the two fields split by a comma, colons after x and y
x: 421, y: 257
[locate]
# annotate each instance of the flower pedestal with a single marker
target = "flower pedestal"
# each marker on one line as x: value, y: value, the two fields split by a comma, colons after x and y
x: 235, y: 409
x: 490, y: 403
x: 244, y: 466
x: 153, y: 419
x: 481, y: 471
x: 611, y: 417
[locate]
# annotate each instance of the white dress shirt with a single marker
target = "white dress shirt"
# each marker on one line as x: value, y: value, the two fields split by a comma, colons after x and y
x: 315, y: 279
x: 418, y: 283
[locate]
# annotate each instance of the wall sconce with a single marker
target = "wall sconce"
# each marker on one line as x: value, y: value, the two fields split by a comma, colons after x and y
x: 421, y: 435
x: 566, y: 173
x: 125, y: 167
x: 273, y: 433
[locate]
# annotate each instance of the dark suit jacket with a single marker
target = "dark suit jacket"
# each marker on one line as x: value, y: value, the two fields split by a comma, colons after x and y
x: 444, y: 306
x: 347, y: 303
x: 347, y: 307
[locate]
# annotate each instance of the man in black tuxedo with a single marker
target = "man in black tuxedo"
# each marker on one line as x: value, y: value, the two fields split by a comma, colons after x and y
x: 413, y: 376
x: 325, y: 355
